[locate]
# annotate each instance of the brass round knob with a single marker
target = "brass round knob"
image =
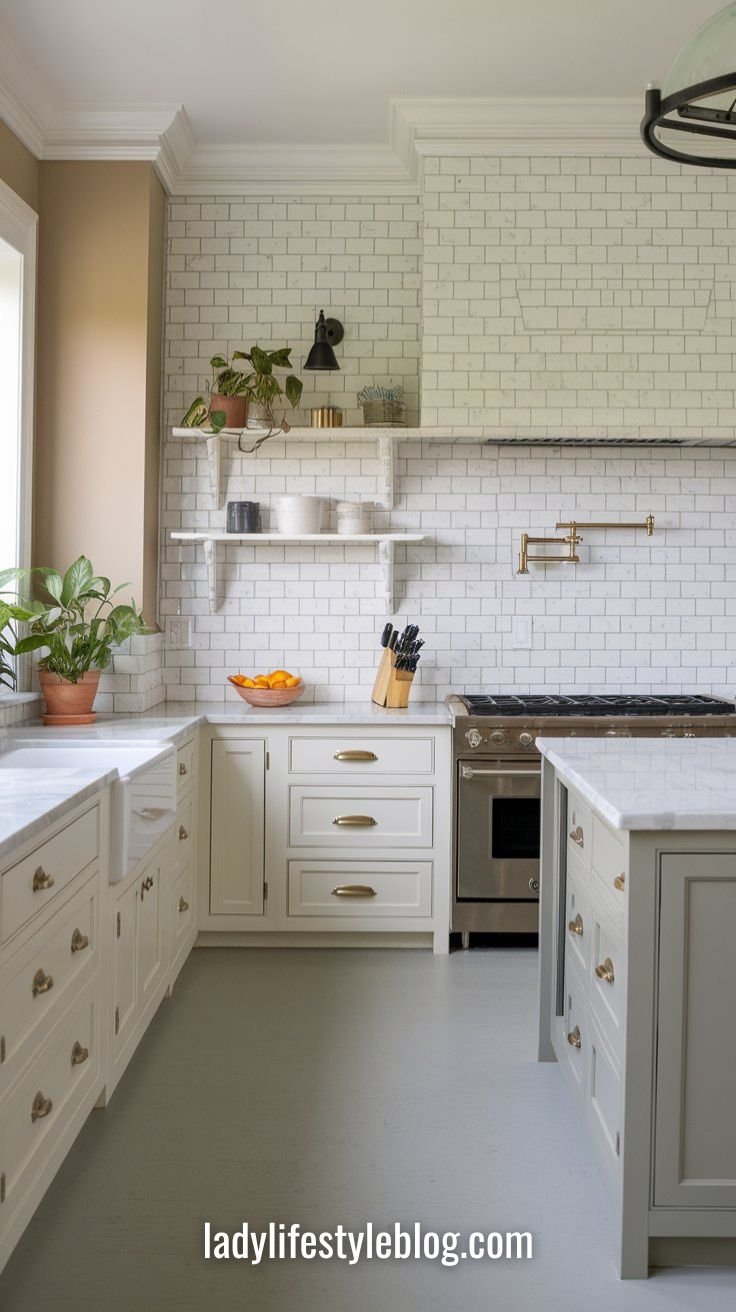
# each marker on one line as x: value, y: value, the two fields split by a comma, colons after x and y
x: 605, y: 971
x: 574, y: 1038
x: 620, y: 882
x: 576, y: 926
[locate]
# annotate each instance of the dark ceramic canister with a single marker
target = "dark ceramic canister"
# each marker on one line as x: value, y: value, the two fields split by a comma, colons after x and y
x: 243, y: 517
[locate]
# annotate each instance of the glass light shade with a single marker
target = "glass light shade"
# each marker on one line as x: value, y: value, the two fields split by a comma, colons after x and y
x: 693, y: 118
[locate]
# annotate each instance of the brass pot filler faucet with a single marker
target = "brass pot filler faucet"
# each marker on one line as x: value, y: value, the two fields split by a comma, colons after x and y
x: 571, y: 542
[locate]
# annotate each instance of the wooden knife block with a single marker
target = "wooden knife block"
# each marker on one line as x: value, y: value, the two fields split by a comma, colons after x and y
x: 392, y: 686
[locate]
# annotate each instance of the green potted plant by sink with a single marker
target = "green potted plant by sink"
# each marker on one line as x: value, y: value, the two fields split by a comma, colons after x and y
x: 77, y: 628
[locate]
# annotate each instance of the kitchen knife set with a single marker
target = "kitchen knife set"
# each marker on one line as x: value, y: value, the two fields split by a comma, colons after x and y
x: 398, y: 665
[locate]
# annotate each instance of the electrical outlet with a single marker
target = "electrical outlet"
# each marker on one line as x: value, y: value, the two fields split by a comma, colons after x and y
x: 521, y: 631
x: 178, y: 632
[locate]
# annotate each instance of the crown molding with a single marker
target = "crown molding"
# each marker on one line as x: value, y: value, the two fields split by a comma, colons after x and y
x: 24, y: 105
x: 531, y: 126
x: 250, y: 170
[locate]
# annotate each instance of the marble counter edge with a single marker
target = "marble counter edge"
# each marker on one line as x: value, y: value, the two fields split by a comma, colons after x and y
x: 48, y: 815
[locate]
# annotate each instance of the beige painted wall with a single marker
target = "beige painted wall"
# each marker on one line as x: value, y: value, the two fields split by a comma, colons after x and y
x: 99, y: 359
x: 18, y: 167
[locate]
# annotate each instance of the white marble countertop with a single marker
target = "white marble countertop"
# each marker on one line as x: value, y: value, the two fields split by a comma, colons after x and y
x: 651, y: 783
x: 32, y: 798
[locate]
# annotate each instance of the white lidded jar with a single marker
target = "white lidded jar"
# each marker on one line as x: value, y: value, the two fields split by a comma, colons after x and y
x: 354, y: 517
x: 296, y: 516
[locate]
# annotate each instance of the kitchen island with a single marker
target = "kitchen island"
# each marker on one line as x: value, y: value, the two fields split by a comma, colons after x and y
x: 637, y: 993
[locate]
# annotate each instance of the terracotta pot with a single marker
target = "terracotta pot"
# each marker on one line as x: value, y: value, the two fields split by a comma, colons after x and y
x: 234, y: 407
x: 69, y: 703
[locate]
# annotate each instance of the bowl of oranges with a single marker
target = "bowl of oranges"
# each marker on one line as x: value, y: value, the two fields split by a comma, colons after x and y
x: 278, y: 688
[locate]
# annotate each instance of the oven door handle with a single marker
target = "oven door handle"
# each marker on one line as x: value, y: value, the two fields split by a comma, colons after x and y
x: 469, y: 772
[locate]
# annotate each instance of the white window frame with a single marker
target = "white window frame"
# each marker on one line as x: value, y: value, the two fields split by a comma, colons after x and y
x: 19, y: 228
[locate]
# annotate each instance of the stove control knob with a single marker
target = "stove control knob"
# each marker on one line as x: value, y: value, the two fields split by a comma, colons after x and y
x: 498, y: 737
x: 474, y: 738
x: 526, y: 739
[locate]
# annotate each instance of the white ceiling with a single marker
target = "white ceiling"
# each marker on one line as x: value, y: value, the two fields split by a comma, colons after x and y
x: 323, y: 72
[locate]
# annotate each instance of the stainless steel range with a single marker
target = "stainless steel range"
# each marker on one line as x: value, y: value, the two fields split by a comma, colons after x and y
x: 497, y: 785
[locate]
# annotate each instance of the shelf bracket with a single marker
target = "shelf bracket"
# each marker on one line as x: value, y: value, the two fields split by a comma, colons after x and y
x: 386, y: 559
x: 214, y: 463
x: 386, y: 470
x: 210, y: 556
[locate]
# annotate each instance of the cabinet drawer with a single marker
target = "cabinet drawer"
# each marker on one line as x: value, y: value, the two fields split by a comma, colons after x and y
x: 360, y: 890
x: 347, y: 754
x: 579, y: 828
x: 576, y: 1029
x: 360, y: 817
x: 611, y: 864
x: 35, y: 985
x: 607, y: 988
x: 603, y: 1100
x: 44, y: 1102
x: 184, y: 832
x: 34, y: 882
x: 181, y: 918
x: 578, y: 922
x: 185, y: 764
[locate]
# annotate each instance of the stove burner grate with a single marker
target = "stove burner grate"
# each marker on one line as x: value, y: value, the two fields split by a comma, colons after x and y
x: 596, y: 704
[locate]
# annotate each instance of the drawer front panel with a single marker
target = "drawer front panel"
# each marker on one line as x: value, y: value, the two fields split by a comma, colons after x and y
x: 360, y: 817
x: 578, y: 923
x: 46, y: 1098
x: 576, y: 1029
x: 185, y: 761
x: 603, y: 1099
x: 33, y: 883
x: 35, y: 985
x: 610, y: 863
x: 579, y: 828
x: 184, y: 832
x: 182, y: 909
x: 608, y: 979
x: 347, y: 754
x: 360, y: 890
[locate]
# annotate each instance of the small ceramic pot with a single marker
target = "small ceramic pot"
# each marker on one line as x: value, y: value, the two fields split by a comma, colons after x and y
x: 69, y: 703
x: 258, y: 416
x: 354, y: 517
x: 299, y: 515
x: 233, y: 407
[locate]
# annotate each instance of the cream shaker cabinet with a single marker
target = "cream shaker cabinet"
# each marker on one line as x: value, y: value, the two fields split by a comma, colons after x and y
x: 316, y: 831
x: 237, y: 842
x: 636, y: 1005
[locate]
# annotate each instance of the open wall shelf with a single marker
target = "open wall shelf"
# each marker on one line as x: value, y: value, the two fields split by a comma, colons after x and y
x: 211, y: 542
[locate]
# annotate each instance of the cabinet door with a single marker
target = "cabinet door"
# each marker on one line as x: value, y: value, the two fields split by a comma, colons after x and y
x: 237, y: 833
x: 695, y: 1144
x: 150, y: 930
x: 126, y: 961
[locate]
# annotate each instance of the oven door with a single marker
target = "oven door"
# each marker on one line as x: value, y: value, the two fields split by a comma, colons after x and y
x: 498, y: 831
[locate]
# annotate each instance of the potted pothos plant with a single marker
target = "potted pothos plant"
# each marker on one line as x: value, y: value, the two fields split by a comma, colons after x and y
x: 241, y: 396
x: 77, y: 628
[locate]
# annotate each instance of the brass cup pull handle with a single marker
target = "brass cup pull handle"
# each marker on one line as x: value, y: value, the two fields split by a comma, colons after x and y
x: 182, y: 768
x: 578, y: 836
x: 183, y: 833
x: 355, y: 821
x: 576, y: 926
x: 42, y: 983
x: 183, y: 905
x: 41, y: 880
x: 574, y: 1038
x: 605, y: 971
x: 354, y: 890
x: 620, y: 882
x: 79, y: 1054
x: 80, y: 941
x: 40, y: 1107
x: 356, y: 754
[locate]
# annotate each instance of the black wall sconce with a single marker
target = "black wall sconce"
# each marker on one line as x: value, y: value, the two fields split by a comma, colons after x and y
x: 327, y: 334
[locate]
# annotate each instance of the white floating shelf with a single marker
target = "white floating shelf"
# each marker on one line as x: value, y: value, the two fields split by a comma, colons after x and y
x: 385, y: 542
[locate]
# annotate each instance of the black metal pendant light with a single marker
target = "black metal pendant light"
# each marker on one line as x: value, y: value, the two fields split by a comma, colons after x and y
x: 698, y: 100
x: 326, y: 332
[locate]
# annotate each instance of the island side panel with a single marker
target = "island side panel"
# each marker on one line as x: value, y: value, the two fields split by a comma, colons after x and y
x: 549, y: 901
